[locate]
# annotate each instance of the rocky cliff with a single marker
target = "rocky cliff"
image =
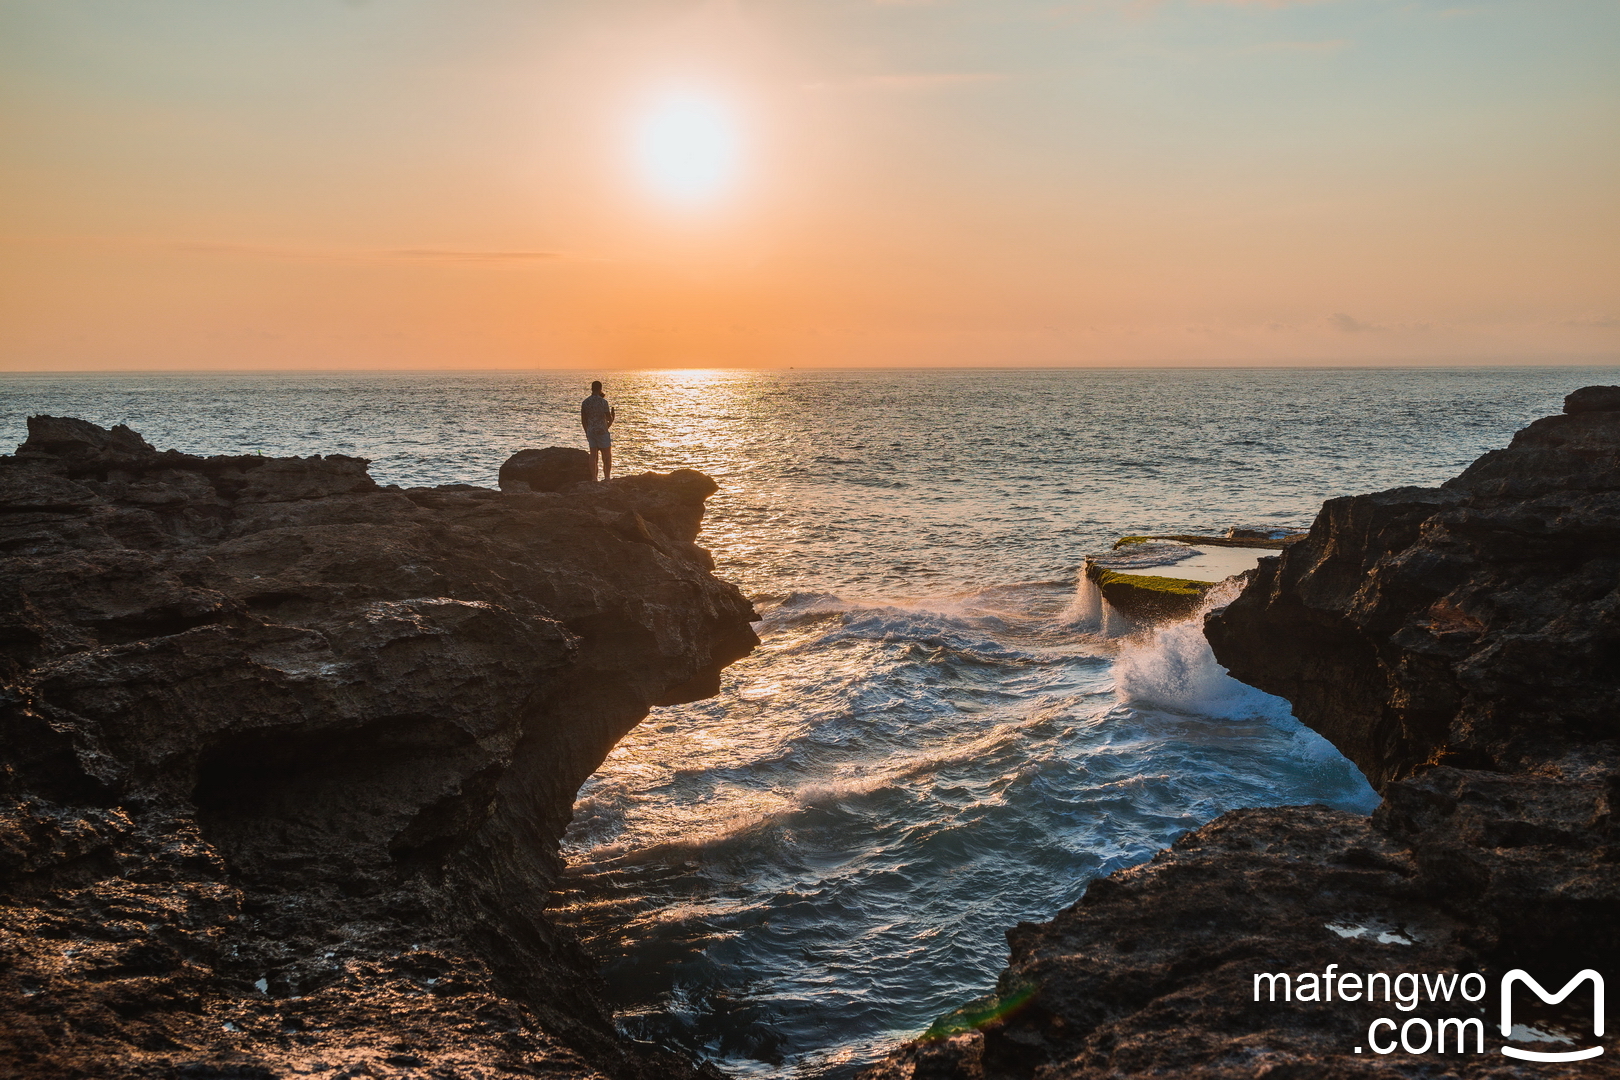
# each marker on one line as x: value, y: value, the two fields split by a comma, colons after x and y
x: 285, y: 756
x: 1461, y: 645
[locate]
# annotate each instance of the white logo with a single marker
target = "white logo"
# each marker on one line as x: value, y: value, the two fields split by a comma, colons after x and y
x: 1520, y: 975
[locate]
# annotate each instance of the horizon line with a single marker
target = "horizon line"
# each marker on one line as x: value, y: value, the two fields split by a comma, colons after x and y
x: 1227, y: 365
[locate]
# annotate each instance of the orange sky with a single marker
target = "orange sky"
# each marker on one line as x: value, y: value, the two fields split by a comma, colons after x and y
x: 406, y: 184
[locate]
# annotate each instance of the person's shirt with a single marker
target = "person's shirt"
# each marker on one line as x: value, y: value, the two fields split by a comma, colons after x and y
x: 595, y: 411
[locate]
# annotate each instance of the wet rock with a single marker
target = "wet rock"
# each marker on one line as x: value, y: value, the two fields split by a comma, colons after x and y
x: 1458, y: 644
x: 285, y: 757
x: 551, y: 469
x: 1149, y: 598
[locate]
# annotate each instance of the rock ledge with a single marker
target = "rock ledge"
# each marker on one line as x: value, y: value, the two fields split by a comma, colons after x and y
x: 285, y: 756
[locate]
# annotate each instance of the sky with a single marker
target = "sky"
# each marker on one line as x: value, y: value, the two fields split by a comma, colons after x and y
x: 421, y: 184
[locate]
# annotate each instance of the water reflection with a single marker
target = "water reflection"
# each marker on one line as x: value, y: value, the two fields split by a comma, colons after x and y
x: 878, y: 482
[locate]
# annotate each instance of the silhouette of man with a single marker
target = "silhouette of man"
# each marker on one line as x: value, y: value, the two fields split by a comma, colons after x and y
x: 596, y: 416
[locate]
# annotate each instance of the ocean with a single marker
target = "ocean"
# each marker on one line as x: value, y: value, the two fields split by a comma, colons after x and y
x: 934, y: 740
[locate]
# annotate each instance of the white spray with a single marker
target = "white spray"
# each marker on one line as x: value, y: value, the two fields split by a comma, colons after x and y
x: 1171, y: 667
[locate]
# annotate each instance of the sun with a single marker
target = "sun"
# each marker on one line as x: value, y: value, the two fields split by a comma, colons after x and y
x: 686, y: 147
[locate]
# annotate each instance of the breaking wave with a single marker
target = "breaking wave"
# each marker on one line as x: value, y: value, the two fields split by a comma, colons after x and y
x: 835, y: 842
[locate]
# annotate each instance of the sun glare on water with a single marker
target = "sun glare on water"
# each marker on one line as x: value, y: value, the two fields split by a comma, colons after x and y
x: 687, y: 147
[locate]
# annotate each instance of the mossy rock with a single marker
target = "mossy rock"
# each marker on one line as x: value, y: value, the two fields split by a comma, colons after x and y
x: 1149, y: 597
x: 981, y: 1012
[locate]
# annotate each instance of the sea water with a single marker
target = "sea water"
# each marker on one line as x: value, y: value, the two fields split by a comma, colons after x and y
x: 936, y: 738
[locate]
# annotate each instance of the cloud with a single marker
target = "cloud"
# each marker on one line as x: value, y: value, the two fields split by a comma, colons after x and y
x: 1143, y: 9
x: 1349, y: 324
x: 928, y: 80
x: 514, y: 255
x: 1262, y: 3
x: 459, y: 255
x: 209, y: 247
x: 1332, y: 46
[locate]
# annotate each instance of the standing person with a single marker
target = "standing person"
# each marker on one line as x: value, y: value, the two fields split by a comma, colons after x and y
x: 596, y: 416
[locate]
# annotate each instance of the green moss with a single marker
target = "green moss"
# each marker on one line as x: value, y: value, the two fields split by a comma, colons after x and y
x: 1122, y: 541
x: 1169, y: 586
x: 1149, y: 597
x: 976, y: 1014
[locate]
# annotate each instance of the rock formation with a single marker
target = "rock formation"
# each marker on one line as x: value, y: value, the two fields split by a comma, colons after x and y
x: 1461, y: 645
x: 552, y: 469
x: 1148, y: 598
x: 285, y: 757
x: 1145, y: 599
x: 1471, y: 624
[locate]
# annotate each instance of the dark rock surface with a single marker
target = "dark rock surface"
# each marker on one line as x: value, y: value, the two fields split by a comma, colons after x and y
x: 1472, y: 624
x: 553, y: 469
x: 285, y: 756
x: 1593, y: 399
x: 1461, y: 645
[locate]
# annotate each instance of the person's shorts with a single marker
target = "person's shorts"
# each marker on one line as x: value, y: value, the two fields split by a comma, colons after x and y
x: 599, y: 439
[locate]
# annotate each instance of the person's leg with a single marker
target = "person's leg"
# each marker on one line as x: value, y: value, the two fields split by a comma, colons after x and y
x: 595, y: 457
x: 607, y: 464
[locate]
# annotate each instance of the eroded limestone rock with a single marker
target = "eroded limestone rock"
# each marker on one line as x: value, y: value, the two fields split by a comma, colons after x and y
x: 285, y: 756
